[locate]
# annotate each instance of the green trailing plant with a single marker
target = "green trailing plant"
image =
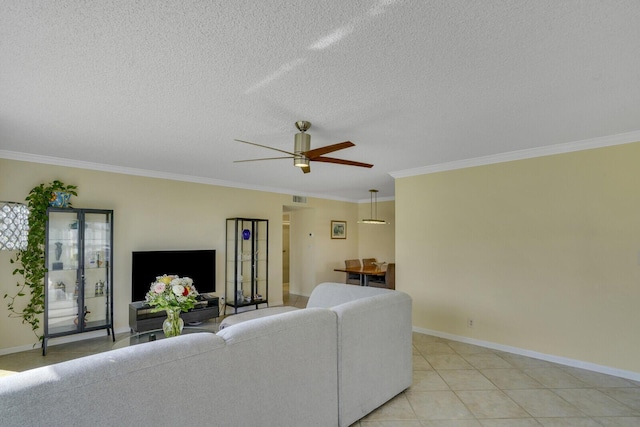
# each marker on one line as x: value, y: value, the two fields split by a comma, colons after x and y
x: 30, y: 262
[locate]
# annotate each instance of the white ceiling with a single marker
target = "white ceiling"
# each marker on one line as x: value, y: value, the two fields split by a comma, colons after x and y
x: 163, y: 88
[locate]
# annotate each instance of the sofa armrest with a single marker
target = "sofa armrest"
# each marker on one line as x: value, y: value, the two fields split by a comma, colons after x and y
x: 329, y: 294
x: 374, y: 352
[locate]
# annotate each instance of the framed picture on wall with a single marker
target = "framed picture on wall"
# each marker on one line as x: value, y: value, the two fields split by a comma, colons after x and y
x: 338, y: 229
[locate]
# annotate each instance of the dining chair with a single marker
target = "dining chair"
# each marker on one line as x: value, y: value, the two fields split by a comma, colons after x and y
x: 368, y: 262
x: 352, y: 279
x: 390, y: 276
x: 388, y: 281
x: 373, y: 264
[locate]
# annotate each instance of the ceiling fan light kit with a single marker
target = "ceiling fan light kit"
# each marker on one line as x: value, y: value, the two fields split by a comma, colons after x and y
x: 301, y: 144
x: 303, y: 154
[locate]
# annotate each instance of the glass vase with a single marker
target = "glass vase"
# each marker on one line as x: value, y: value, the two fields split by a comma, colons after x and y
x: 173, y: 324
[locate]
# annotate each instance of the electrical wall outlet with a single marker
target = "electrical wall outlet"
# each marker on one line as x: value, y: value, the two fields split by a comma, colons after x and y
x: 470, y: 323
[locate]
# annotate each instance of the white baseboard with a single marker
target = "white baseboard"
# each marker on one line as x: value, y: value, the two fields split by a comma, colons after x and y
x: 630, y: 375
x: 11, y: 350
x: 62, y: 340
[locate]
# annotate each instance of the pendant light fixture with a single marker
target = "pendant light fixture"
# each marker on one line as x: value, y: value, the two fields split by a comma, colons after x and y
x: 14, y: 226
x: 374, y: 215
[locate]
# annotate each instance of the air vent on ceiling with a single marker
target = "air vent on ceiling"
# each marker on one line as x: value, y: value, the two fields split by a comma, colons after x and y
x: 299, y: 199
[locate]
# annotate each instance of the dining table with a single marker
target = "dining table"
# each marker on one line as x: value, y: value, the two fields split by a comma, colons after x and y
x: 364, y: 272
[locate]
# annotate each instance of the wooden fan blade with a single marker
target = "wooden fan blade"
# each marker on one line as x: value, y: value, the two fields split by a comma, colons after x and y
x: 265, y: 146
x: 266, y: 158
x: 312, y: 154
x: 306, y: 169
x: 342, y: 162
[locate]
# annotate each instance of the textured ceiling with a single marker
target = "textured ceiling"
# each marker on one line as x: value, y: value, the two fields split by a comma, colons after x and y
x: 165, y: 87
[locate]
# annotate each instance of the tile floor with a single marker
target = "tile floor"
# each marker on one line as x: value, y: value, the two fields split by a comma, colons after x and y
x: 457, y: 385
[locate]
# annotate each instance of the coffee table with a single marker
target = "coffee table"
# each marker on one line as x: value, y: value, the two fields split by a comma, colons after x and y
x: 154, y: 335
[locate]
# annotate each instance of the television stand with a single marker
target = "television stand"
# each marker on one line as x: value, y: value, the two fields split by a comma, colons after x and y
x: 141, y: 318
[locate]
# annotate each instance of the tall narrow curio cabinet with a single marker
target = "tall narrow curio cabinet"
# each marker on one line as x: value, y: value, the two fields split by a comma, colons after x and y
x: 247, y: 263
x: 79, y: 277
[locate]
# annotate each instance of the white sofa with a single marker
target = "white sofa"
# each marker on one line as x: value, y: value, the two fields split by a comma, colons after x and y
x: 327, y: 365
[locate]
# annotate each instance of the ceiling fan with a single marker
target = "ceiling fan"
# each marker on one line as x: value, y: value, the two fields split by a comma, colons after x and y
x: 302, y: 153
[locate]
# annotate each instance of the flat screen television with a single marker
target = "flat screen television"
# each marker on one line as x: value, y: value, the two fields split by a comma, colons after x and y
x: 200, y: 265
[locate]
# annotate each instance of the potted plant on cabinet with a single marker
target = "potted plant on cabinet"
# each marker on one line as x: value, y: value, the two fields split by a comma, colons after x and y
x: 30, y: 262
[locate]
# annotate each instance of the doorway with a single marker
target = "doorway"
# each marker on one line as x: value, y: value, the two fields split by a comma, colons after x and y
x: 299, y: 259
x: 286, y: 221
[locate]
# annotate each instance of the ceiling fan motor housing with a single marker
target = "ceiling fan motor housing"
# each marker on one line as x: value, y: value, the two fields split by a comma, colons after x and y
x: 302, y: 144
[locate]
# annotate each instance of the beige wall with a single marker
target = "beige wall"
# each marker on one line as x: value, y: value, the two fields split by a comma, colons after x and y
x: 152, y: 213
x: 314, y: 254
x: 543, y: 254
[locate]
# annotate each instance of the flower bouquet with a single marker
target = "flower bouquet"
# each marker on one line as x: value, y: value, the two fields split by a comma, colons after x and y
x: 172, y: 294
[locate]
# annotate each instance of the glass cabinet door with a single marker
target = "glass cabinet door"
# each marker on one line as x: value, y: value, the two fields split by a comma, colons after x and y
x: 260, y: 263
x: 62, y: 279
x: 97, y: 269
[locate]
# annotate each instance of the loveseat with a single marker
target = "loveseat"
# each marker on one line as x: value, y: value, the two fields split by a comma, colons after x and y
x: 329, y: 364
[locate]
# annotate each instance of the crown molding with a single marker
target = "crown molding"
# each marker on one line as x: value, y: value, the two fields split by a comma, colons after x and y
x: 58, y: 161
x: 587, y: 144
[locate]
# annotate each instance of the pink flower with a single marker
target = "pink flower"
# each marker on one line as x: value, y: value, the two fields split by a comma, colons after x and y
x: 158, y: 287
